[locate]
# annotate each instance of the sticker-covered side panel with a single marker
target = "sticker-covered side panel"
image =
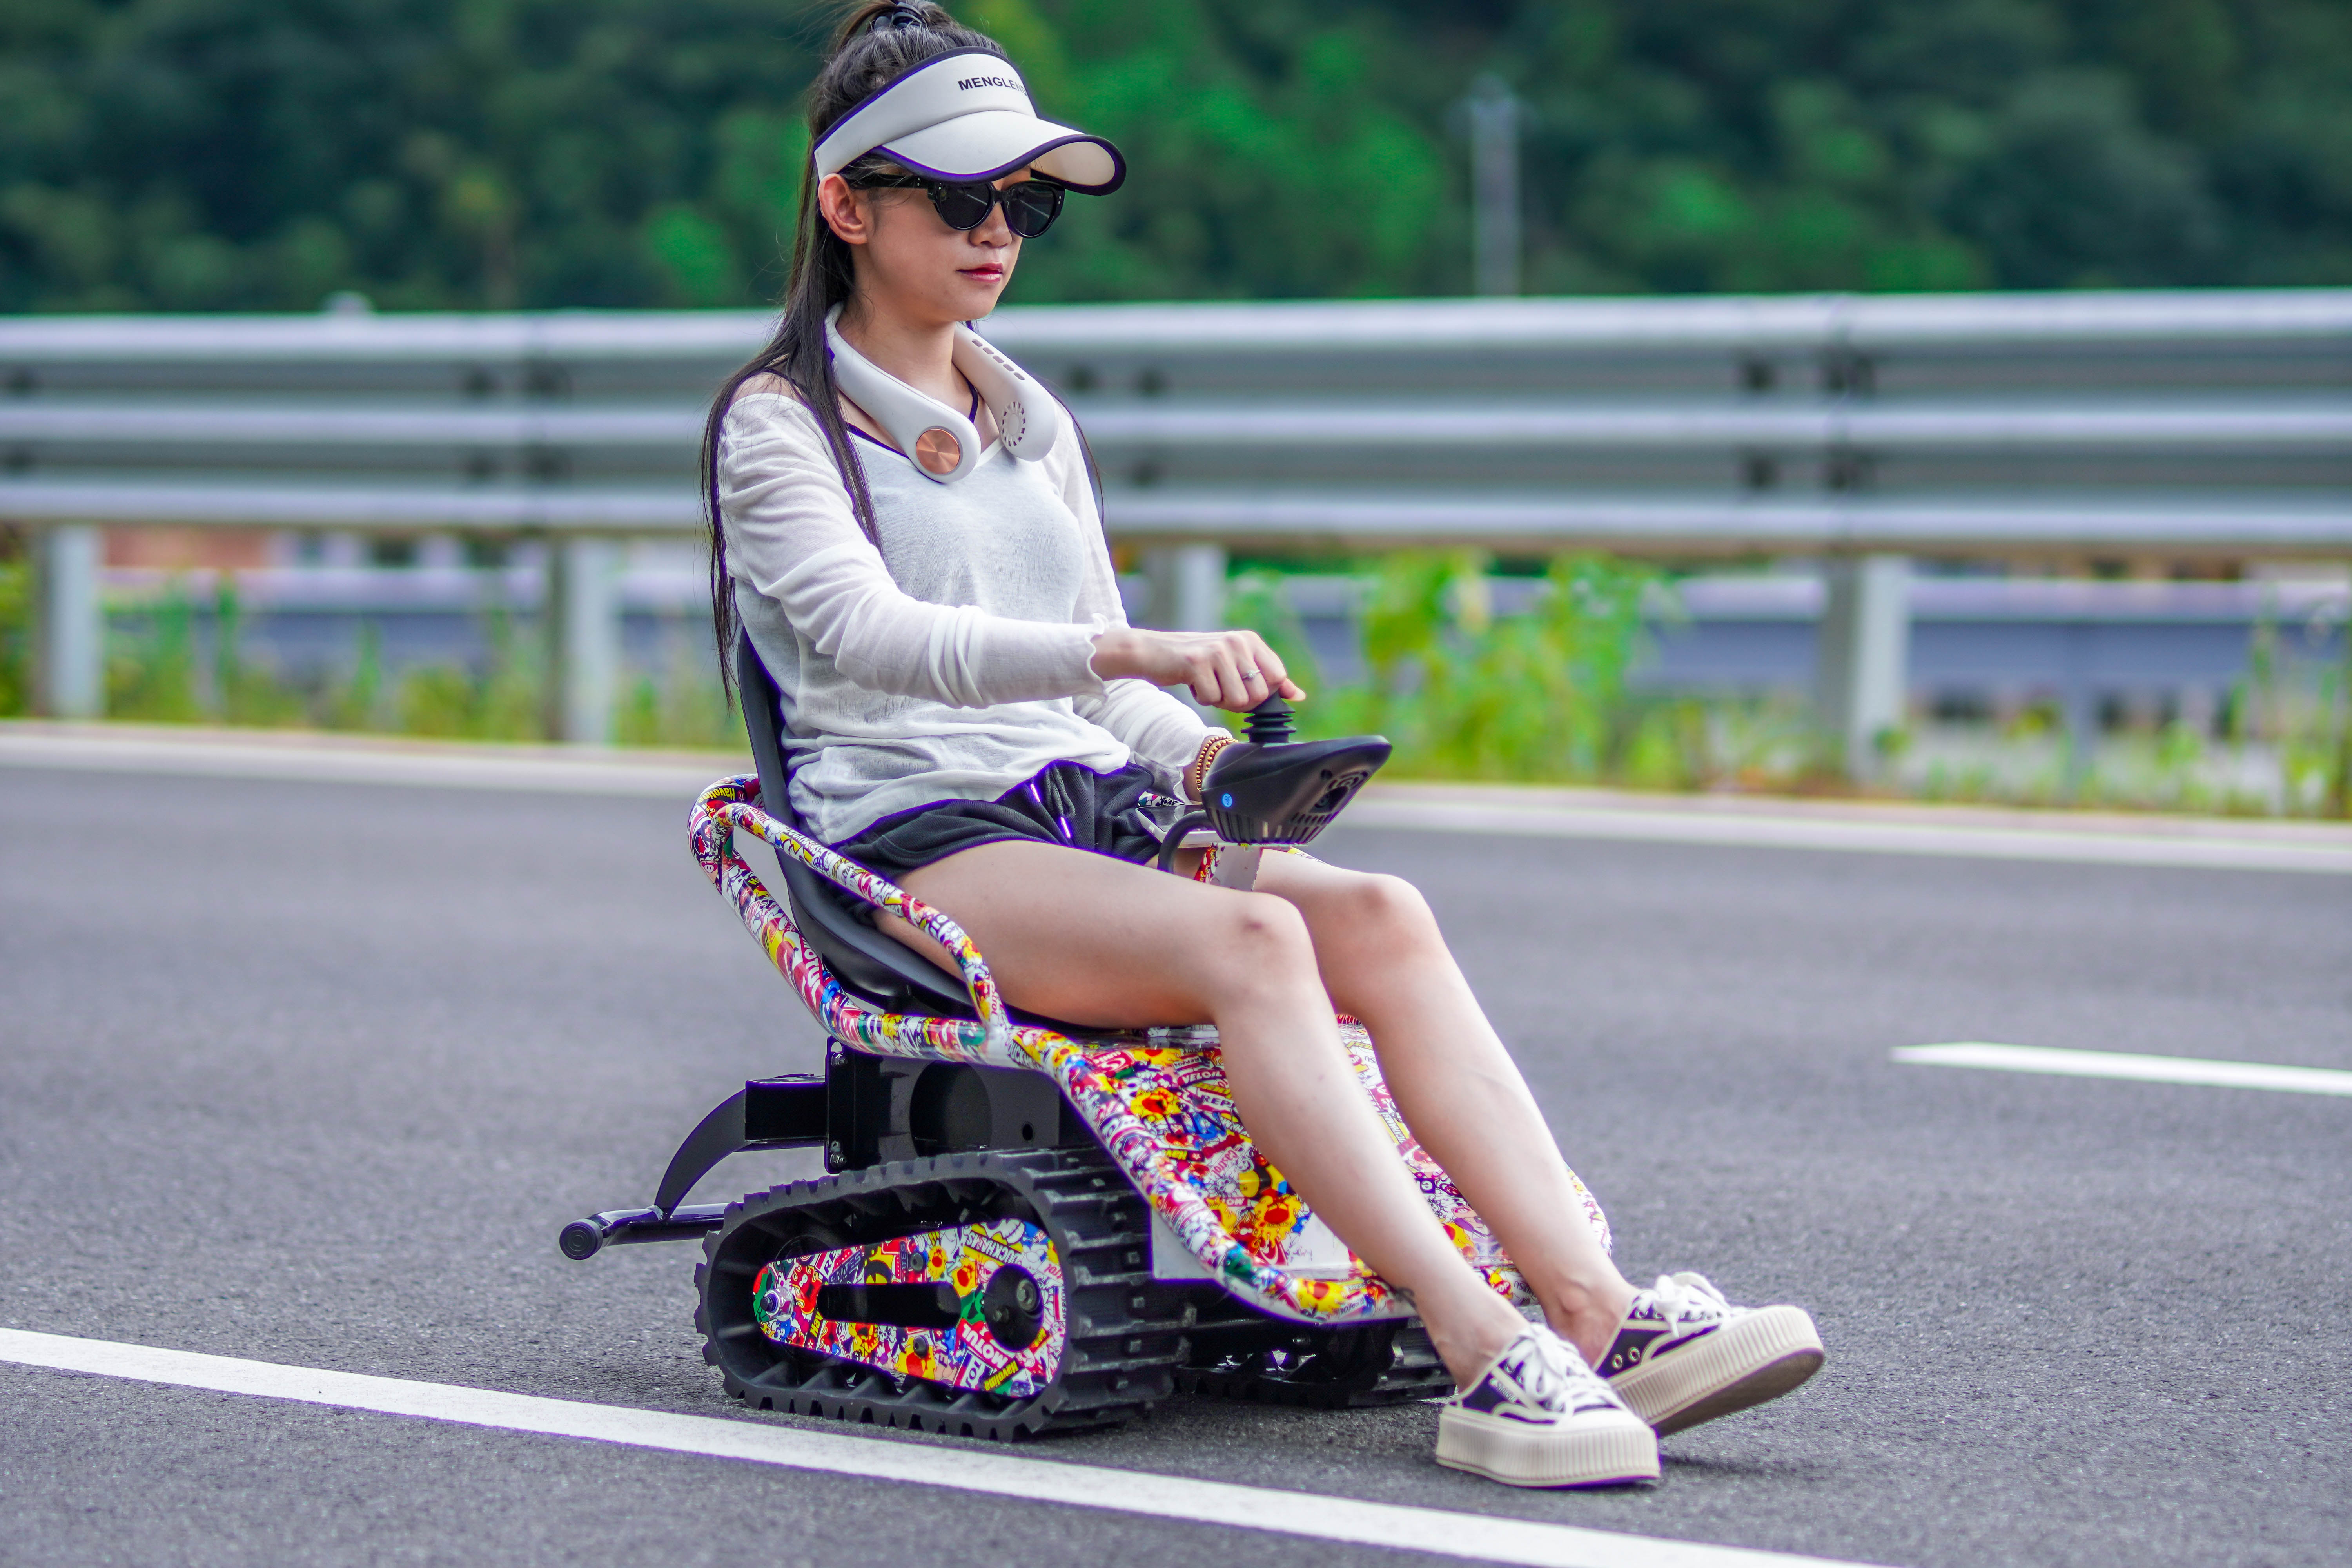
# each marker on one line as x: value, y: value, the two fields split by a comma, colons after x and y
x: 791, y: 1295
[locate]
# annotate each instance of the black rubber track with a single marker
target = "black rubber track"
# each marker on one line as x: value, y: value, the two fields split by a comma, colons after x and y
x: 1126, y: 1334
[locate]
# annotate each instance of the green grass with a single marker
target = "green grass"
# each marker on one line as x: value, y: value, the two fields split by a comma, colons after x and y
x: 681, y: 705
x: 15, y: 626
x: 157, y: 674
x: 1468, y: 694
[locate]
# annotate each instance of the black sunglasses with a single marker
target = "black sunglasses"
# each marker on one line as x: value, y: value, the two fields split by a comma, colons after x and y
x: 1030, y: 207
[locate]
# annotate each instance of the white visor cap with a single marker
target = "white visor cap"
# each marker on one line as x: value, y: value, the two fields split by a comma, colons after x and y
x: 966, y: 116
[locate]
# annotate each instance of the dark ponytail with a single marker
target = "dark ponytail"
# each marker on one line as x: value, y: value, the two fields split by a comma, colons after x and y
x: 876, y: 42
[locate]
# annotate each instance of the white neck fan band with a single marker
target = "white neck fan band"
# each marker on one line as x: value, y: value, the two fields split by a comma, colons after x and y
x: 942, y: 444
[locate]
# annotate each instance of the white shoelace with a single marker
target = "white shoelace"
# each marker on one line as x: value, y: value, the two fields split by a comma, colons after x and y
x: 1690, y: 1301
x: 1560, y: 1380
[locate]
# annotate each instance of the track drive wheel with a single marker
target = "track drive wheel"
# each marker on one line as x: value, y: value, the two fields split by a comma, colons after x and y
x: 1108, y: 1338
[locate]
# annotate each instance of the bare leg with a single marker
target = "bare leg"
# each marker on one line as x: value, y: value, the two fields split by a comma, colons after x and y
x: 1095, y: 940
x: 1384, y: 960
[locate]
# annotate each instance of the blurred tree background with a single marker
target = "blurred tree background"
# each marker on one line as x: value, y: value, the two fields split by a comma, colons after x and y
x: 262, y: 154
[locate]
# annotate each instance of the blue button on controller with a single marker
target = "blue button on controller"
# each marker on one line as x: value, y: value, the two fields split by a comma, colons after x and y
x: 1226, y: 799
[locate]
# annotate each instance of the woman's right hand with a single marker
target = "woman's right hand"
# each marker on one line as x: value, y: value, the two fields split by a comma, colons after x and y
x: 1233, y: 670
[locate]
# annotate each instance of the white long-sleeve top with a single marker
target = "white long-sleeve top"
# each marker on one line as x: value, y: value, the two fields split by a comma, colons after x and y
x: 951, y: 663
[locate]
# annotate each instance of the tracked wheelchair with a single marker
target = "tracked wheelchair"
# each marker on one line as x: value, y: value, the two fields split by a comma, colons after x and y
x: 1026, y: 1226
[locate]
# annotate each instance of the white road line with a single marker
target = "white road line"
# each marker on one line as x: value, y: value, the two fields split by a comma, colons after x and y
x: 2117, y: 1064
x: 337, y: 760
x: 962, y: 1467
x: 1858, y: 834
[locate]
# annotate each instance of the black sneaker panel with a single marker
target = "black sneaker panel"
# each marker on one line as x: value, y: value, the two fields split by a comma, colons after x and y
x: 1486, y: 1399
x: 1633, y: 1343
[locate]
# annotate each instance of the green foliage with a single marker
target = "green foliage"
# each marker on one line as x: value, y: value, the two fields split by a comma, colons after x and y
x: 682, y: 706
x: 242, y: 692
x: 432, y: 154
x: 15, y: 630
x: 2304, y: 710
x: 356, y: 702
x: 1537, y: 695
x: 1671, y: 746
x: 1274, y: 151
x: 505, y: 699
x: 151, y: 673
x: 157, y: 673
x: 212, y: 155
x: 1465, y: 693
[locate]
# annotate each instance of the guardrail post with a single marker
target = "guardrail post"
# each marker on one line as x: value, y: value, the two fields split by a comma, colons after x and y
x: 1188, y: 586
x: 1494, y: 118
x: 1862, y: 658
x: 1187, y: 594
x: 583, y: 603
x: 71, y: 662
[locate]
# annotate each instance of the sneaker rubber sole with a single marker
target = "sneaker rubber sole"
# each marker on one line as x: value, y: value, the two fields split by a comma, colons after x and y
x: 1759, y: 1356
x: 1520, y: 1454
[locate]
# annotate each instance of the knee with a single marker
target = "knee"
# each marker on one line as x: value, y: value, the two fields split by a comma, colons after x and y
x: 1260, y: 938
x: 1387, y: 907
x: 1260, y: 922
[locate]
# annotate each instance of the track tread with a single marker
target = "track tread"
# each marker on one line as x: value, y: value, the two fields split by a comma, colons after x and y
x: 1124, y: 1332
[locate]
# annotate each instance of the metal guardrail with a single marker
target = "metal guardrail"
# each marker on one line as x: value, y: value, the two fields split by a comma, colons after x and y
x: 1861, y: 428
x: 2199, y: 422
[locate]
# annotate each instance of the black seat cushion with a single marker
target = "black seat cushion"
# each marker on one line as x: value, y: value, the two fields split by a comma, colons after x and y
x: 882, y: 970
x: 878, y: 969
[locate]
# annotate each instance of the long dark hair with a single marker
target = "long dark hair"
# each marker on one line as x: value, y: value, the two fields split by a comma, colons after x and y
x: 875, y: 43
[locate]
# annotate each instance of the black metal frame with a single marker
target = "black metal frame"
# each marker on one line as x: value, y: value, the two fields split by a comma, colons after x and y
x: 792, y: 1111
x: 865, y: 1111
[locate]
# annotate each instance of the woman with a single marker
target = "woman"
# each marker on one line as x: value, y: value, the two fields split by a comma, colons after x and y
x: 969, y: 713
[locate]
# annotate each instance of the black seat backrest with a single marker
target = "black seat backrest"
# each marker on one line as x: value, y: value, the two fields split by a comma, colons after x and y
x: 884, y: 972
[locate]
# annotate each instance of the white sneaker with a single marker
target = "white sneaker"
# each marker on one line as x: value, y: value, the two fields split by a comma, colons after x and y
x: 1684, y: 1354
x: 1537, y: 1417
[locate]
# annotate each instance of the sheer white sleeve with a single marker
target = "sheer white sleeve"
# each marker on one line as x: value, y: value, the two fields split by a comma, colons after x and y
x: 1165, y: 734
x: 790, y: 534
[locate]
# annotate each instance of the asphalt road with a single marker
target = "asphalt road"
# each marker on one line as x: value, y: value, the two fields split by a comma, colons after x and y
x: 312, y: 1073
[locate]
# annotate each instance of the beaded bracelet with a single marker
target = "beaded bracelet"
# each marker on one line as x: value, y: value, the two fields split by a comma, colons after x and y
x: 1208, y: 750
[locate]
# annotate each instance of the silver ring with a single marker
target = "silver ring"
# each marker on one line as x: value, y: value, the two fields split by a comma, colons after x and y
x: 1250, y: 674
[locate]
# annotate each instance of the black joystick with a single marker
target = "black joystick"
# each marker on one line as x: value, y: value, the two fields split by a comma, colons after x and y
x: 1271, y: 724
